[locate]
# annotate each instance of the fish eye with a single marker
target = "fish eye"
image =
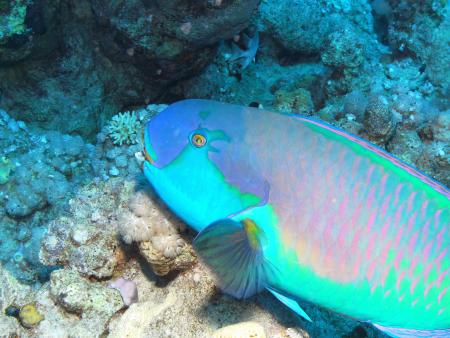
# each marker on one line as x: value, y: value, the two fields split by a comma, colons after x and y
x: 198, y: 140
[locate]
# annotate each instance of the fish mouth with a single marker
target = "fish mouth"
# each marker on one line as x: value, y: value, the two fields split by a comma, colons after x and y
x: 147, y: 156
x: 147, y: 149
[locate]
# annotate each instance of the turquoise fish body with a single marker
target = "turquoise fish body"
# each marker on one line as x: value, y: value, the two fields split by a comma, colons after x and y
x: 326, y: 216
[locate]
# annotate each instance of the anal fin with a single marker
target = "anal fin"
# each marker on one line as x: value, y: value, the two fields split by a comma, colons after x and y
x: 234, y: 251
x: 290, y: 303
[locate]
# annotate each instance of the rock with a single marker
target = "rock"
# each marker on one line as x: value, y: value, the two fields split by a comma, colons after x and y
x: 10, y: 327
x: 133, y: 323
x: 172, y: 39
x: 161, y: 264
x: 241, y: 330
x: 75, y: 241
x: 441, y: 127
x: 298, y: 25
x: 344, y: 50
x: 11, y: 291
x: 77, y: 295
x: 294, y: 101
x: 407, y: 146
x: 355, y: 103
x: 31, y: 29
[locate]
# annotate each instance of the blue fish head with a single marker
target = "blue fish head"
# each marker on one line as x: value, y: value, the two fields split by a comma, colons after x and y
x: 197, y: 163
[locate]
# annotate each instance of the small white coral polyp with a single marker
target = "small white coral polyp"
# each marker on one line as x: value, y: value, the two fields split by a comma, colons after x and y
x: 124, y: 128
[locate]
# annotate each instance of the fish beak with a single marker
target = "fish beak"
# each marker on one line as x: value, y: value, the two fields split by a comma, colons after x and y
x: 148, y: 157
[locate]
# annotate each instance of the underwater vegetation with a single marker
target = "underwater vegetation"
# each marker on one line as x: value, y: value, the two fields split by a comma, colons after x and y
x: 89, y: 249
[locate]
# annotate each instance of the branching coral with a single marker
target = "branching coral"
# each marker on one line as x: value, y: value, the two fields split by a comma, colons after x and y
x: 124, y: 128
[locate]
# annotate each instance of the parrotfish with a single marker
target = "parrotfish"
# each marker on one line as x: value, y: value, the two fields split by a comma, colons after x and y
x: 297, y: 207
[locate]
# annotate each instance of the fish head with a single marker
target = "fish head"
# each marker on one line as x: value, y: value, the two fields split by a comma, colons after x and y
x: 197, y: 162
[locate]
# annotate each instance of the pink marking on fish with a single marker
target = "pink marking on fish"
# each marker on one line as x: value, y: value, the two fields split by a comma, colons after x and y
x: 439, y: 259
x: 385, y: 274
x: 373, y: 288
x: 437, y: 214
x: 370, y: 200
x: 398, y: 259
x: 425, y: 230
x: 355, y: 217
x: 356, y: 266
x: 383, y: 184
x: 413, y: 285
x: 369, y: 174
x: 412, y: 243
x: 371, y: 270
x: 385, y: 205
x: 330, y: 174
x: 387, y: 293
x: 427, y: 289
x: 356, y: 190
x: 439, y: 238
x: 410, y: 201
x: 370, y: 222
x: 398, y: 215
x: 414, y: 302
x: 399, y: 279
x: 355, y: 166
x: 398, y: 237
x: 355, y: 242
x: 423, y: 209
x: 343, y: 206
x: 385, y: 228
x: 384, y: 252
x: 427, y: 271
x: 411, y: 222
x: 397, y: 192
x: 400, y: 299
x: 426, y: 251
x: 441, y: 294
x: 441, y: 277
x: 414, y: 263
x: 370, y: 246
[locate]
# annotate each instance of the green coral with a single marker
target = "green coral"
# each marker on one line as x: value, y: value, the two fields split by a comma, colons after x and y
x: 124, y: 128
x: 5, y: 169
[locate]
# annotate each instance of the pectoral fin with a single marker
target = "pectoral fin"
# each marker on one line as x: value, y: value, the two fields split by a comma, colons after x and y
x: 290, y: 303
x: 234, y: 251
